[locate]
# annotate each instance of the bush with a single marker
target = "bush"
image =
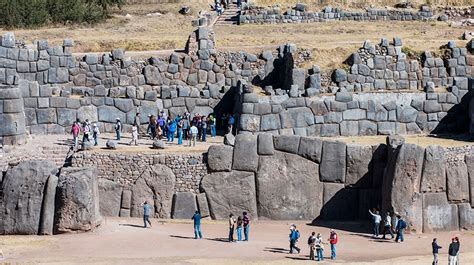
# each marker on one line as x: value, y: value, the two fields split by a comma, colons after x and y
x: 35, y: 13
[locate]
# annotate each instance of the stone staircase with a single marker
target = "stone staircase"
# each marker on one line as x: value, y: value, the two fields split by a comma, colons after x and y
x: 60, y: 155
x: 229, y: 17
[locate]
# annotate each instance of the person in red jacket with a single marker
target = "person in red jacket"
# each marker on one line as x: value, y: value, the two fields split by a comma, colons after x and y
x: 333, y: 238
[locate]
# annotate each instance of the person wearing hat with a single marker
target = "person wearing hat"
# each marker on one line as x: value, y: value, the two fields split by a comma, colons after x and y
x: 95, y: 134
x: 333, y: 239
x: 137, y: 122
x: 118, y: 128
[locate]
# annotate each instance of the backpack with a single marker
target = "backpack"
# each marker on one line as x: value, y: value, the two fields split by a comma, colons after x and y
x: 403, y: 224
x: 311, y: 240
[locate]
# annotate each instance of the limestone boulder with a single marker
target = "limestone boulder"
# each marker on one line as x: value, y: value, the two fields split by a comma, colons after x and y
x: 438, y: 214
x: 288, y: 187
x: 156, y: 186
x: 457, y: 181
x: 23, y: 193
x: 359, y: 173
x: 333, y: 162
x: 77, y: 200
x: 219, y: 157
x: 245, y: 155
x: 110, y: 197
x: 230, y: 192
x: 184, y: 205
x: 434, y: 170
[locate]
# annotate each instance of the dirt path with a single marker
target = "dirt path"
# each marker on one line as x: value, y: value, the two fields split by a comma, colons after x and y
x: 123, y: 241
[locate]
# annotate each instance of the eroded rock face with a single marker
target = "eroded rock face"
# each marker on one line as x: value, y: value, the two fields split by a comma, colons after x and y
x: 219, y: 157
x: 110, y: 196
x: 77, y: 200
x: 245, y: 153
x: 438, y: 214
x: 288, y: 187
x: 23, y: 194
x: 359, y: 173
x: 230, y: 192
x: 457, y: 181
x: 156, y: 186
x: 333, y: 162
x: 434, y: 170
x: 184, y: 205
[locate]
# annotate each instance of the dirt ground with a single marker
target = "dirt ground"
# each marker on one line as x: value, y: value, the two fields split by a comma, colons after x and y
x: 124, y: 241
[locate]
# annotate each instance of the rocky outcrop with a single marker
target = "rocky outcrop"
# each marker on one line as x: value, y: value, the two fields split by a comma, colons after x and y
x: 77, y: 200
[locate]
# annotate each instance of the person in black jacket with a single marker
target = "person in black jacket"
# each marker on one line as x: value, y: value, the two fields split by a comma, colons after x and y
x: 453, y: 251
x: 435, y: 247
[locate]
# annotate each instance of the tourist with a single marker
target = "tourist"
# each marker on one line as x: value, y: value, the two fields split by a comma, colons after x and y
x: 400, y: 228
x: 204, y: 128
x: 333, y: 239
x: 75, y: 130
x: 197, y: 225
x: 239, y: 228
x: 376, y: 218
x: 136, y: 122
x: 312, y: 245
x: 459, y: 250
x: 186, y: 126
x: 212, y: 124
x: 86, y: 130
x: 161, y: 124
x: 319, y: 247
x: 388, y: 226
x: 294, y: 236
x: 95, y: 134
x: 219, y: 9
x: 436, y: 248
x: 453, y: 252
x: 146, y: 214
x: 239, y: 3
x: 198, y: 123
x: 180, y: 131
x: 152, y: 124
x: 193, y: 135
x: 134, y: 135
x: 246, y: 226
x: 171, y: 130
x: 231, y: 227
x: 231, y: 123
x: 118, y: 128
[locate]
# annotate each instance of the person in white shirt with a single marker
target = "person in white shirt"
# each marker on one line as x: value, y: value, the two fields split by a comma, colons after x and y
x: 388, y: 225
x: 134, y: 135
x: 193, y: 131
x: 377, y: 219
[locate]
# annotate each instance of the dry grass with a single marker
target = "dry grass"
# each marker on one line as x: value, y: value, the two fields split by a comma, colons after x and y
x: 348, y: 4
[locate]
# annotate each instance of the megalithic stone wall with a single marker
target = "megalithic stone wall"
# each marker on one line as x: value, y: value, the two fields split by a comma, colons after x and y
x: 12, y: 116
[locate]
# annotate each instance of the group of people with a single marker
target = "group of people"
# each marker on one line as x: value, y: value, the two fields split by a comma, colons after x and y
x: 90, y: 133
x: 453, y: 251
x: 399, y: 225
x: 241, y: 224
x: 315, y: 243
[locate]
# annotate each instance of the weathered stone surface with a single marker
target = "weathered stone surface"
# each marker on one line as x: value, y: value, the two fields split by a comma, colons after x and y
x: 156, y: 186
x: 270, y: 122
x: 158, y: 144
x: 434, y: 170
x: 47, y: 211
x: 23, y: 193
x: 126, y: 199
x: 265, y: 144
x: 219, y: 157
x: 229, y: 139
x: 89, y: 113
x: 339, y: 203
x: 184, y: 205
x: 203, y: 205
x: 288, y: 187
x: 466, y: 216
x: 249, y: 122
x: 438, y: 214
x: 296, y: 117
x: 110, y: 197
x: 457, y: 181
x: 108, y: 114
x: 470, y: 169
x: 401, y: 185
x: 358, y: 160
x: 379, y: 161
x: 333, y: 162
x: 230, y: 192
x: 78, y: 200
x: 286, y: 143
x: 111, y: 144
x: 245, y: 153
x: 310, y: 148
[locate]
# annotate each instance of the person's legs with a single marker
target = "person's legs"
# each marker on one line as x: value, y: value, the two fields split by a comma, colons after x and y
x: 292, y: 245
x: 333, y: 251
x: 144, y: 220
x: 320, y: 254
x: 239, y: 234
x: 231, y: 233
x: 194, y: 139
x: 196, y: 232
x: 435, y: 258
x: 199, y: 231
x: 311, y: 253
x: 204, y: 133
x: 180, y: 137
x: 376, y: 229
x: 96, y: 140
x: 401, y: 235
x: 246, y: 233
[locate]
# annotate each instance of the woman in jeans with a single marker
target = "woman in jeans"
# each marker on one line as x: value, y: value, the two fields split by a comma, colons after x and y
x: 240, y: 223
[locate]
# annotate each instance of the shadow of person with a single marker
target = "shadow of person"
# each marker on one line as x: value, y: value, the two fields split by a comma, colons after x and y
x: 182, y: 237
x: 132, y: 225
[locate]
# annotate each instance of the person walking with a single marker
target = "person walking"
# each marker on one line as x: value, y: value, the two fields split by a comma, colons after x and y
x: 294, y: 236
x: 400, y: 229
x: 453, y: 252
x: 152, y: 124
x: 136, y: 122
x: 134, y: 135
x: 388, y: 225
x: 204, y: 128
x: 231, y: 227
x: 376, y: 218
x: 171, y: 130
x: 75, y: 130
x: 146, y: 214
x: 436, y: 248
x: 118, y: 128
x: 180, y: 131
x: 186, y: 126
x: 95, y: 134
x: 246, y: 219
x: 212, y: 122
x: 231, y: 123
x: 333, y: 239
x: 319, y: 247
x: 197, y: 225
x: 193, y: 135
x: 86, y: 131
x: 312, y: 245
x: 239, y: 228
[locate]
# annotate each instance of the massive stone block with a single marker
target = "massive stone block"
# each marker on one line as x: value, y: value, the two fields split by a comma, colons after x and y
x: 288, y: 187
x: 333, y: 162
x: 156, y: 186
x: 219, y: 157
x: 339, y: 203
x: 77, y: 200
x: 470, y: 169
x: 245, y: 153
x: 296, y: 117
x: 379, y: 162
x: 310, y: 148
x: 287, y: 143
x: 466, y: 216
x: 265, y: 144
x: 230, y: 192
x: 438, y: 214
x: 457, y: 181
x: 110, y: 197
x: 109, y: 114
x: 90, y: 113
x: 434, y: 170
x: 47, y: 211
x: 203, y: 205
x: 23, y: 193
x: 358, y: 161
x: 184, y: 205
